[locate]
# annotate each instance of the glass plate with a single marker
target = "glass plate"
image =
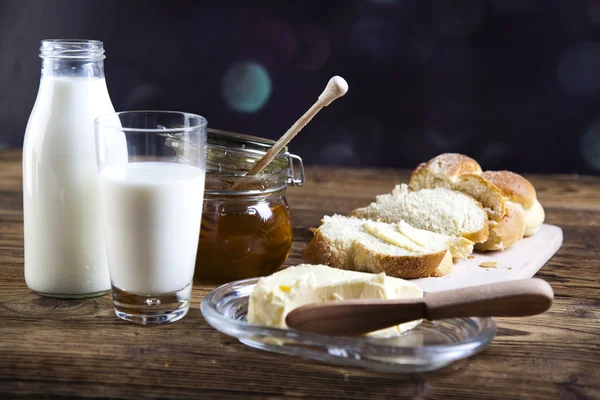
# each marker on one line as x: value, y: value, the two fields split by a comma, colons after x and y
x: 429, y: 346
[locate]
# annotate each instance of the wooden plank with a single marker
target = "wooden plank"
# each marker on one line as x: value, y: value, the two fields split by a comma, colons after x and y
x: 78, y: 348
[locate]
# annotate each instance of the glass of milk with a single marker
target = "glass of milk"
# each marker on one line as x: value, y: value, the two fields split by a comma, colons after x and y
x: 151, y: 207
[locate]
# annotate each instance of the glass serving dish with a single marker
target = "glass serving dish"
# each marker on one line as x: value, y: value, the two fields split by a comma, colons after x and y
x: 430, y: 346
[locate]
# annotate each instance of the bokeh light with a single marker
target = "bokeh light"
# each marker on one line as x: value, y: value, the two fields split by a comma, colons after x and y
x: 579, y: 68
x: 590, y: 146
x: 246, y: 87
x: 263, y: 56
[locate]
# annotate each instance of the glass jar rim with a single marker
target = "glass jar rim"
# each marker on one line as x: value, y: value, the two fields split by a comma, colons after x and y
x: 231, y: 155
x: 240, y: 150
x: 72, y: 49
x: 219, y: 137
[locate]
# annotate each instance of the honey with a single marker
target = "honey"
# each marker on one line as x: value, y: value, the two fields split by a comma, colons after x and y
x: 243, y: 238
x: 246, y: 226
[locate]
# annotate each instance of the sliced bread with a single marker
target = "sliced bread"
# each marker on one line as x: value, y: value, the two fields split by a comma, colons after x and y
x: 524, y: 213
x: 399, y: 250
x: 507, y: 231
x: 461, y: 173
x: 518, y: 190
x: 439, y: 210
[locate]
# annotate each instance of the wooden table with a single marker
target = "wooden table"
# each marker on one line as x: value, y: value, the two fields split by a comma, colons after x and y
x: 78, y: 348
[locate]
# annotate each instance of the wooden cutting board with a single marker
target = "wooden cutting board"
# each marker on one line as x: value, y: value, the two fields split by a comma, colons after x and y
x: 522, y: 260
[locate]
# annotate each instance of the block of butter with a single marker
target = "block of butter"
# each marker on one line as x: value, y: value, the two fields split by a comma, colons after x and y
x: 276, y: 295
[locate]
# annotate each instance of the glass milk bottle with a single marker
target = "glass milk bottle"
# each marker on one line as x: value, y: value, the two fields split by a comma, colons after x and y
x: 64, y: 245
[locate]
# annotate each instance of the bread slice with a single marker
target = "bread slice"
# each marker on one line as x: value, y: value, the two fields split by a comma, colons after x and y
x: 439, y: 210
x: 447, y: 167
x: 399, y: 250
x: 524, y: 213
x: 507, y: 232
x: 446, y: 266
x: 513, y: 187
x: 518, y: 190
x: 462, y: 173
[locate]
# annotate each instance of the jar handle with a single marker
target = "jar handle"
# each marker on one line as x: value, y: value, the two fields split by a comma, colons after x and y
x: 293, y: 178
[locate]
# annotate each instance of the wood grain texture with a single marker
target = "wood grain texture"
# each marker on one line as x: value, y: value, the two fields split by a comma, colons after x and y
x: 55, y: 348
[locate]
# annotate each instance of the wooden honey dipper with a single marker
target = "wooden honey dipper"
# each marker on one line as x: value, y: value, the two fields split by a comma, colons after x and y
x: 336, y: 88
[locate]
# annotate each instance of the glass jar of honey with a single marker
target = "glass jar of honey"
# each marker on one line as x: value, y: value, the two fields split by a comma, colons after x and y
x: 246, y: 226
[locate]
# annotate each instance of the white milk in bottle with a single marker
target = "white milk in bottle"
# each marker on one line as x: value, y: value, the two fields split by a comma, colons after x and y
x: 64, y: 244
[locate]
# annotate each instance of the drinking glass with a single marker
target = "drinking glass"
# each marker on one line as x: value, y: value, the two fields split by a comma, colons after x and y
x: 151, y: 169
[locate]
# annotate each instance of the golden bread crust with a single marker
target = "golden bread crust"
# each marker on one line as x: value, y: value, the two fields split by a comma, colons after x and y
x: 321, y: 250
x: 479, y: 236
x: 446, y: 266
x: 405, y: 267
x: 450, y: 165
x: 513, y: 186
x: 507, y: 231
x: 368, y: 213
x: 495, y: 208
x: 461, y: 173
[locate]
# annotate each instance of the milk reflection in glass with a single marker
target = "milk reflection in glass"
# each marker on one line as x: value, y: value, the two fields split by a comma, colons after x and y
x: 152, y: 213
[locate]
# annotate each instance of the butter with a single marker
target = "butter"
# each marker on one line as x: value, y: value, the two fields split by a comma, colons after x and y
x: 391, y: 236
x: 412, y: 233
x: 276, y: 295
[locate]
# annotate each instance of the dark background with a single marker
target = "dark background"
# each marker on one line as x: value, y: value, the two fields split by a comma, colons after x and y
x: 512, y: 83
